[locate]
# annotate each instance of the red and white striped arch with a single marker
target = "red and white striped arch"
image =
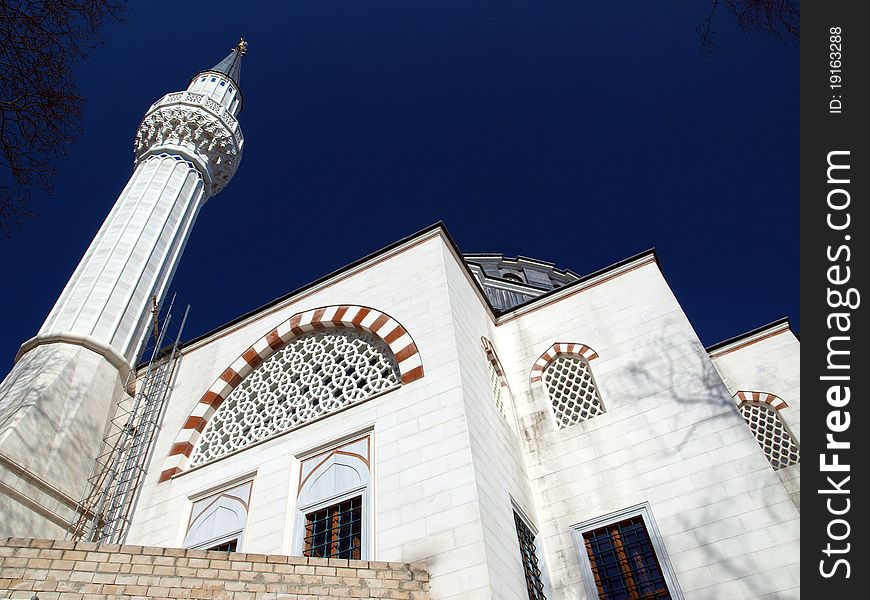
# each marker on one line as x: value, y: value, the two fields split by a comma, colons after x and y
x: 555, y: 350
x: 361, y: 318
x: 771, y: 400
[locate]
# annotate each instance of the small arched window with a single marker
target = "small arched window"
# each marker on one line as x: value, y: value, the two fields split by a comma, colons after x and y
x: 571, y: 389
x: 497, y: 382
x: 775, y: 440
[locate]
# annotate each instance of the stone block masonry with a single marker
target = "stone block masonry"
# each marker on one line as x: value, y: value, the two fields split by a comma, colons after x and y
x: 64, y: 570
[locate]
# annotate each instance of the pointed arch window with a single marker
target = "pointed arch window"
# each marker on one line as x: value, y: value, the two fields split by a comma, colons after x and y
x: 217, y: 521
x: 334, y: 503
x: 314, y: 375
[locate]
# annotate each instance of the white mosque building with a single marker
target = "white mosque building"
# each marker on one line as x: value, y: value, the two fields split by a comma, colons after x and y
x: 527, y: 431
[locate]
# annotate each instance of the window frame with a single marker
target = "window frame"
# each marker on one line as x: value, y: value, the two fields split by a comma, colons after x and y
x: 644, y: 511
x: 303, y: 510
x: 539, y: 548
x: 304, y: 505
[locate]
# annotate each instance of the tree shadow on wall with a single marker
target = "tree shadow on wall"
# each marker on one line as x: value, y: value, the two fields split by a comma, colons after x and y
x: 697, y: 384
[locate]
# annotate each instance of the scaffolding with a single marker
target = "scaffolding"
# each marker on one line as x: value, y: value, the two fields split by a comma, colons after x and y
x: 105, y: 513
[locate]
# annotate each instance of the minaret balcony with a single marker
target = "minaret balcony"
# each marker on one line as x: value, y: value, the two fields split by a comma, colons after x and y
x: 201, y: 100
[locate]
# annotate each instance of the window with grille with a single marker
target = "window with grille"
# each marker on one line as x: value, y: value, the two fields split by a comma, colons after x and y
x: 572, y: 390
x: 775, y: 440
x: 314, y: 375
x: 230, y: 546
x: 335, y: 531
x: 529, y: 557
x: 623, y: 557
x: 334, y: 503
x: 624, y: 563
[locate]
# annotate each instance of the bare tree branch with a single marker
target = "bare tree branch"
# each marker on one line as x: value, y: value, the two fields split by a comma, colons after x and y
x: 40, y: 107
x: 777, y: 18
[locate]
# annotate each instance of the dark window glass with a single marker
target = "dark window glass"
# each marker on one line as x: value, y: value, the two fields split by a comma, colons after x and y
x: 229, y: 546
x: 624, y: 563
x: 335, y: 531
x: 534, y: 583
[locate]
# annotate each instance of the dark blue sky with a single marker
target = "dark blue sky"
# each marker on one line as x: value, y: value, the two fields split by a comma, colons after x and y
x: 575, y: 132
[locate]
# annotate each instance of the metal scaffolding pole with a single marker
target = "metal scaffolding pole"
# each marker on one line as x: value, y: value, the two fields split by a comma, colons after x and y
x: 104, y: 515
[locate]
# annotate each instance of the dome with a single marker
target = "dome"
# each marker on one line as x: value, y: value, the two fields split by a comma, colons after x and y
x: 509, y: 282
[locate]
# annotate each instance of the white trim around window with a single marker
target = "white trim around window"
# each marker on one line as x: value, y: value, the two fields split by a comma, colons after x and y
x: 639, y: 510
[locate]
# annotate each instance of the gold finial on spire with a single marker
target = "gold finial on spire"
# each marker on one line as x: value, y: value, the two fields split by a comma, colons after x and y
x: 241, y: 47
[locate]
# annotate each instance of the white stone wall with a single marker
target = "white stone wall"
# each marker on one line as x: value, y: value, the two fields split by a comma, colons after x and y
x: 771, y: 365
x: 425, y: 498
x: 671, y: 436
x: 499, y: 466
x: 447, y: 464
x: 768, y: 362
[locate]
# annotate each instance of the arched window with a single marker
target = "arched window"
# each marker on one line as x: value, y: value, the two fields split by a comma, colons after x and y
x: 495, y: 384
x: 571, y: 389
x: 333, y: 503
x: 497, y: 381
x: 314, y: 375
x: 771, y: 433
x: 217, y: 522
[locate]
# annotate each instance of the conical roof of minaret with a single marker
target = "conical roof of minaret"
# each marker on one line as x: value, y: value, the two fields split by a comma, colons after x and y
x: 231, y: 66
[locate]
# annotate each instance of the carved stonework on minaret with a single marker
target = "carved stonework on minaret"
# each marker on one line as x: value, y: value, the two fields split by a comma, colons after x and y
x: 207, y: 134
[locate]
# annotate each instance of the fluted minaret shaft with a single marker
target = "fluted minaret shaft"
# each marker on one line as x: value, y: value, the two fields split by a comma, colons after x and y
x: 132, y: 257
x: 187, y: 149
x: 56, y: 402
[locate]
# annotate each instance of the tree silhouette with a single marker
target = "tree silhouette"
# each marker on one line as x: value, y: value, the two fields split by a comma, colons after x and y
x: 778, y: 18
x: 40, y: 107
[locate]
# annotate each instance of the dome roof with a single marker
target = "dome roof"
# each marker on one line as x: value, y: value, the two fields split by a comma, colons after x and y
x: 509, y: 282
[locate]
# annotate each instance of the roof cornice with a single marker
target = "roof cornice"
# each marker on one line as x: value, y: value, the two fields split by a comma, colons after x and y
x: 750, y: 337
x: 437, y: 229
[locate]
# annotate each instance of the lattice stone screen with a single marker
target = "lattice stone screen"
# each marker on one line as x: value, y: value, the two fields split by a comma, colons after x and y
x: 314, y: 375
x: 496, y: 385
x: 572, y: 391
x: 777, y: 443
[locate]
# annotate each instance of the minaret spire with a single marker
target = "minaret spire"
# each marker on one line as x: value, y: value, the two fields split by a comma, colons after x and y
x: 231, y: 66
x: 67, y: 380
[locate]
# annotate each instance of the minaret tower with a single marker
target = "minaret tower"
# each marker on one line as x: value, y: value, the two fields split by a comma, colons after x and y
x: 57, y: 401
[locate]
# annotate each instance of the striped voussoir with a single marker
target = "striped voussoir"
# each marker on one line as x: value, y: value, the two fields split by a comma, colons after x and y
x: 760, y: 398
x: 557, y: 349
x: 362, y: 318
x: 493, y: 360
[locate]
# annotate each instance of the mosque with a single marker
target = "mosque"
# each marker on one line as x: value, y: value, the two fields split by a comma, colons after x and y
x: 422, y: 423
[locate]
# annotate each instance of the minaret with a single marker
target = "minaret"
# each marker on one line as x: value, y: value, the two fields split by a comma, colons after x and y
x: 56, y: 402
